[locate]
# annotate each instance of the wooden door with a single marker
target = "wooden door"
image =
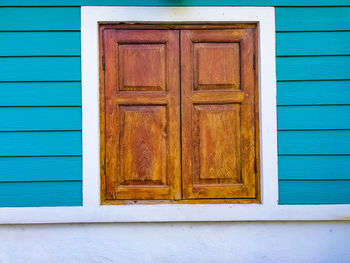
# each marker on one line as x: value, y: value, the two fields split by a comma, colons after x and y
x: 142, y: 114
x: 218, y: 116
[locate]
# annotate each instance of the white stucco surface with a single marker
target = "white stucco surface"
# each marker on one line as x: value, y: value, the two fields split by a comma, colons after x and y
x: 312, y: 242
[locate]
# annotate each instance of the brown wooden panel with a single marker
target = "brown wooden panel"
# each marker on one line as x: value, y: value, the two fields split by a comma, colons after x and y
x: 216, y: 66
x: 217, y: 148
x: 142, y: 67
x: 142, y: 115
x: 143, y: 143
x: 217, y: 97
x: 218, y: 131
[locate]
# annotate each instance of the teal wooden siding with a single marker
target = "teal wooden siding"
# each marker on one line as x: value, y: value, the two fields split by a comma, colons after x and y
x: 60, y: 193
x: 40, y: 107
x: 313, y: 73
x: 40, y: 93
x: 45, y: 43
x: 40, y: 99
x: 39, y: 19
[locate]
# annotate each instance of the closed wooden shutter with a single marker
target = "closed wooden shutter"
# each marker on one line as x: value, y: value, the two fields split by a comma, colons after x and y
x: 218, y: 140
x: 142, y: 104
x: 179, y: 114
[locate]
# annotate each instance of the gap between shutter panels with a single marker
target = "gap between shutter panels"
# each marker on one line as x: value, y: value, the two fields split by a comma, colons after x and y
x: 207, y: 110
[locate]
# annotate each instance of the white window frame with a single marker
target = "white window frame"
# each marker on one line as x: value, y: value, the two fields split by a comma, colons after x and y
x: 92, y: 211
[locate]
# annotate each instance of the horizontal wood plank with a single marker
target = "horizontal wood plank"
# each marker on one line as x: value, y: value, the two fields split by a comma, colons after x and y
x: 330, y: 167
x: 313, y: 68
x: 40, y: 143
x: 312, y: 43
x: 174, y: 2
x: 312, y: 18
x: 26, y: 194
x: 41, y: 3
x: 40, y: 94
x: 313, y: 117
x: 40, y: 69
x: 24, y: 169
x: 314, y: 192
x: 314, y: 142
x: 40, y: 118
x: 39, y: 43
x: 39, y: 18
x: 313, y: 92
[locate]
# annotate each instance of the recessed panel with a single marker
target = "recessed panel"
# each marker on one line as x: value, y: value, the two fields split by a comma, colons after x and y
x: 216, y: 66
x: 142, y: 67
x: 143, y: 143
x: 217, y: 136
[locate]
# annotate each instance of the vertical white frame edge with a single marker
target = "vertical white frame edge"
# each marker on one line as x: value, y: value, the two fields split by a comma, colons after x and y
x: 264, y: 16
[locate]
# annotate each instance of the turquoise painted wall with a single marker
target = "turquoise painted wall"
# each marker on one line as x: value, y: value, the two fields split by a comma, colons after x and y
x: 40, y: 99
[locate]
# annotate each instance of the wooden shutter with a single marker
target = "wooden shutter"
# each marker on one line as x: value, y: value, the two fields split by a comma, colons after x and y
x: 142, y: 114
x: 218, y: 118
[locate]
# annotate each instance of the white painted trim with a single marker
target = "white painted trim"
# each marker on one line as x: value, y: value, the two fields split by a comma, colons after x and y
x: 92, y: 211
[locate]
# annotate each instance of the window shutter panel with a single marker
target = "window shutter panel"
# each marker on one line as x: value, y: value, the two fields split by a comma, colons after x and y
x: 218, y: 115
x: 142, y: 114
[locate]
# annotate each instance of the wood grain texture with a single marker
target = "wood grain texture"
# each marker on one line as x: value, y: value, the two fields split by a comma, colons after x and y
x: 218, y: 137
x: 142, y: 67
x: 143, y: 145
x: 135, y: 116
x: 142, y: 117
x: 218, y: 145
x: 102, y: 115
x: 216, y: 66
x: 183, y: 201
